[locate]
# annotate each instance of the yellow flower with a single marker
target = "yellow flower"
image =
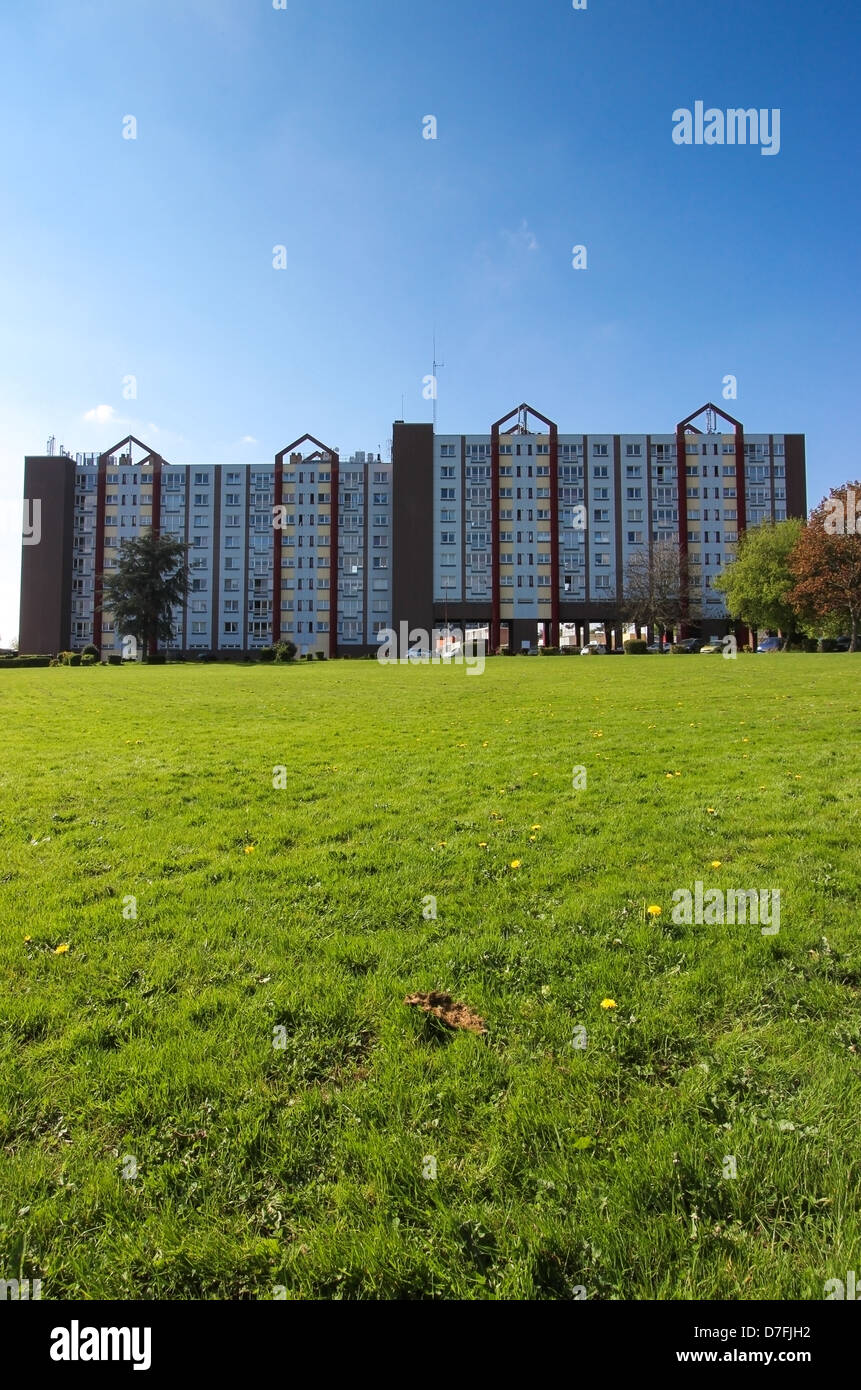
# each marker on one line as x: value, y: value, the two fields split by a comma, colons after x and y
x: 716, y: 863
x: 484, y: 745
x: 515, y: 863
x: 608, y: 1004
x: 669, y: 776
x: 533, y: 837
x: 442, y: 844
x: 654, y: 910
x: 249, y: 849
x: 482, y: 844
x: 28, y: 938
x: 535, y: 774
x: 61, y: 950
x: 711, y: 810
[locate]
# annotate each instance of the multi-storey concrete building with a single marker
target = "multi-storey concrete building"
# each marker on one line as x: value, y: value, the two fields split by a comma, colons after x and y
x: 515, y: 530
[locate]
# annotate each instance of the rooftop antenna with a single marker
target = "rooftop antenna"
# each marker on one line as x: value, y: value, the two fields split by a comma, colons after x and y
x: 436, y: 365
x: 50, y: 446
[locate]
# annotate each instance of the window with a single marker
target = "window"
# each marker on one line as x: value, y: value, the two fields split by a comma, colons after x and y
x: 602, y: 557
x: 447, y: 494
x: 381, y: 562
x: 600, y: 470
x: 231, y: 627
x: 198, y: 629
x: 446, y: 451
x: 447, y: 538
x: 635, y: 538
x: 201, y: 521
x: 201, y: 480
x: 635, y: 494
x: 600, y: 451
x: 446, y: 472
x: 633, y: 450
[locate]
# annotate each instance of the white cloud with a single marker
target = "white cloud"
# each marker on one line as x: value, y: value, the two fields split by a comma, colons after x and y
x: 248, y: 439
x: 523, y: 239
x: 102, y: 415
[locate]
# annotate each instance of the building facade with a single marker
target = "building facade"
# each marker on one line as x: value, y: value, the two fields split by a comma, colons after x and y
x: 517, y: 531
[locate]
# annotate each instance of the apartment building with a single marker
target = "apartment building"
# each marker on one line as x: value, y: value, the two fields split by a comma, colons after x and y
x: 519, y: 530
x: 533, y: 529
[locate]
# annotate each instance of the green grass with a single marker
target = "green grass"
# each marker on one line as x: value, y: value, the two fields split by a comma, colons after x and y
x: 302, y: 1167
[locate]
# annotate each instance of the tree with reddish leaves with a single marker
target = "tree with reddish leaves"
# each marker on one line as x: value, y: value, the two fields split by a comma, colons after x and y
x: 826, y: 563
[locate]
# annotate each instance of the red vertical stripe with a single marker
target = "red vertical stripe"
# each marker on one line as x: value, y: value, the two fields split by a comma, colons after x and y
x: 277, y: 501
x: 333, y: 554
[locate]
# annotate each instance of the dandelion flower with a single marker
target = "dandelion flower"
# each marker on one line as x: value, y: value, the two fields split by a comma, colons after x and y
x: 28, y: 938
x: 716, y: 863
x: 482, y: 844
x: 249, y: 849
x: 608, y: 1004
x: 535, y: 827
x: 654, y: 910
x: 533, y: 837
x: 61, y: 950
x: 711, y: 810
x: 515, y: 863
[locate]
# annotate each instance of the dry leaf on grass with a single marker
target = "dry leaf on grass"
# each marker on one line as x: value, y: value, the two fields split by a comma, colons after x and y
x: 443, y: 1007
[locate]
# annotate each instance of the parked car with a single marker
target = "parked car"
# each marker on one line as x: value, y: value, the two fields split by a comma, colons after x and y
x: 658, y: 647
x: 594, y: 649
x: 842, y: 644
x: 710, y: 649
x: 688, y: 644
x: 769, y: 644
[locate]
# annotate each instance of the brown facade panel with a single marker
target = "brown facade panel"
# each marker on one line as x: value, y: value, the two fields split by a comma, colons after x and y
x: 46, y: 568
x: 796, y: 475
x: 412, y: 525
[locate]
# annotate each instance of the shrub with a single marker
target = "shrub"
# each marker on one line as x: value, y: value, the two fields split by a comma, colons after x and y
x: 679, y: 650
x: 321, y: 656
x: 286, y: 651
x: 12, y: 663
x: 204, y: 656
x: 828, y: 644
x: 87, y: 659
x: 549, y: 651
x: 91, y: 650
x: 267, y: 653
x: 635, y: 646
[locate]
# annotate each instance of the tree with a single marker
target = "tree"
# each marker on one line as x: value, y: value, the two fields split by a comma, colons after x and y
x: 150, y: 580
x: 826, y: 564
x: 757, y: 582
x: 656, y: 587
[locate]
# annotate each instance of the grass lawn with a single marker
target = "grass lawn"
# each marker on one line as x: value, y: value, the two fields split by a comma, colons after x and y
x: 155, y: 1143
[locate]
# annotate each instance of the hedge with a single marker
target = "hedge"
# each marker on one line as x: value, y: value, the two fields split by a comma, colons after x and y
x: 17, y: 662
x: 635, y: 646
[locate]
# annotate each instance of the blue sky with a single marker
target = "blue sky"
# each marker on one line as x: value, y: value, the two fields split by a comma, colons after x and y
x: 302, y: 127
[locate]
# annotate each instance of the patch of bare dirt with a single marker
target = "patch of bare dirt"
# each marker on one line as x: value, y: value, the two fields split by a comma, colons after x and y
x: 443, y: 1007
